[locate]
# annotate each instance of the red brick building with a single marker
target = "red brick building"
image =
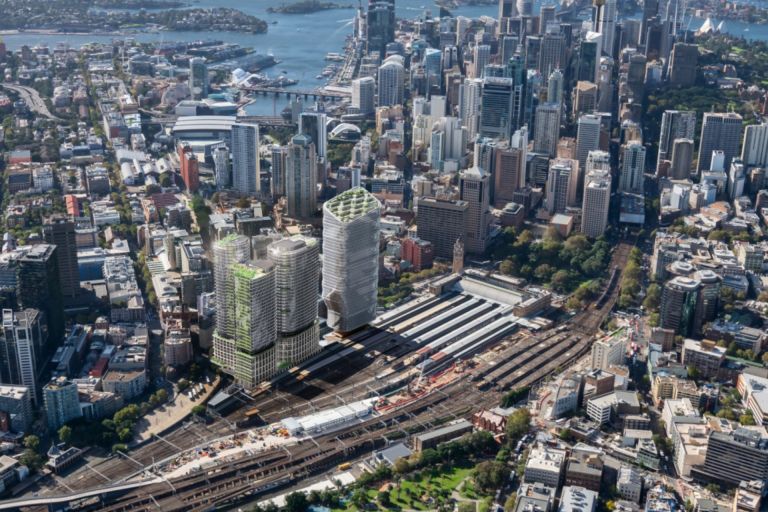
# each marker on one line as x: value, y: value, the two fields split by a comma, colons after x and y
x: 189, y: 171
x: 417, y: 252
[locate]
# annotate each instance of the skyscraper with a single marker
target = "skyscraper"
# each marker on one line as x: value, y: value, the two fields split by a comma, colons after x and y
x: 61, y: 402
x: 598, y: 161
x: 391, y: 81
x: 678, y: 305
x: 682, y: 159
x: 551, y: 53
x: 596, y: 202
x: 509, y: 171
x: 632, y: 167
x: 246, y: 318
x: 682, y: 64
x: 555, y: 87
x: 525, y: 7
x: 585, y: 101
x: 547, y: 129
x: 719, y: 131
x: 675, y: 124
x: 507, y: 9
x: 297, y: 275
x: 246, y: 166
x: 587, y: 137
x: 38, y: 287
x: 21, y: 349
x: 754, y: 152
x: 221, y: 167
x: 470, y: 93
x: 481, y: 56
x: 59, y: 230
x: 364, y: 95
x: 278, y: 169
x: 561, y: 185
x: 474, y: 189
x: 381, y: 25
x: 497, y: 107
x: 198, y: 78
x: 607, y: 25
x: 441, y: 222
x: 313, y: 125
x: 590, y: 50
x: 301, y: 177
x: 351, y: 259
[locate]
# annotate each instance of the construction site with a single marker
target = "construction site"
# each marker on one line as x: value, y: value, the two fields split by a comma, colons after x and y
x: 453, y: 350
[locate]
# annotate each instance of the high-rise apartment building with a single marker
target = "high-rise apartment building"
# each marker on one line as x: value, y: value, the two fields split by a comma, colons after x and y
x: 313, y: 125
x: 15, y: 409
x: 441, y: 222
x: 351, y: 259
x: 391, y: 81
x: 246, y: 166
x: 381, y: 25
x: 198, y: 78
x: 297, y: 275
x: 561, y: 185
x: 190, y: 172
x: 509, y: 171
x: 596, y: 202
x: 754, y: 152
x: 61, y: 402
x: 631, y: 177
x: 719, y: 131
x: 301, y: 177
x: 364, y: 95
x: 678, y: 305
x: 470, y: 93
x: 277, y: 170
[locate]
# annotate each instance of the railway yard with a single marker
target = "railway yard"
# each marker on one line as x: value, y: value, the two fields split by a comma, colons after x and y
x: 431, y: 360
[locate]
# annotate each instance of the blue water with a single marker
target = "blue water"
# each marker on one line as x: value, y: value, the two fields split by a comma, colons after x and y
x: 299, y: 41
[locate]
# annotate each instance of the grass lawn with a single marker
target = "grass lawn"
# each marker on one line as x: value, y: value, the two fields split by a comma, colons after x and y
x: 407, y: 494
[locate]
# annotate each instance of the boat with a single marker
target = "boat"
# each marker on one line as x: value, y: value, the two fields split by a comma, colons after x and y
x: 319, y: 77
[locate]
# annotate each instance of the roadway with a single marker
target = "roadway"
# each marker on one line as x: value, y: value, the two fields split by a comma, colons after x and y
x: 32, y: 98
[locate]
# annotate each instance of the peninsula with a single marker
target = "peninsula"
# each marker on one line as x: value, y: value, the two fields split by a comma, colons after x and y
x: 307, y: 7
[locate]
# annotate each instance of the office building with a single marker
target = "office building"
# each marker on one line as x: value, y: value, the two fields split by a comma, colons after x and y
x: 22, y: 348
x: 59, y: 230
x: 596, y: 203
x: 551, y: 53
x: 441, y: 222
x: 754, y: 152
x: 561, y: 185
x: 198, y: 78
x: 474, y: 189
x: 682, y: 159
x: 585, y: 100
x: 675, y: 124
x: 381, y: 25
x: 38, y: 287
x: 246, y: 165
x: 555, y: 84
x: 221, y: 167
x: 497, y: 107
x: 351, y: 259
x: 470, y: 93
x: 391, y: 82
x: 547, y: 129
x: 15, y: 408
x: 578, y: 498
x: 313, y: 125
x: 301, y: 177
x: 735, y: 457
x: 607, y: 25
x: 297, y: 275
x: 682, y: 64
x: 598, y: 161
x: 719, y: 132
x: 190, y: 172
x: 248, y: 353
x: 590, y: 50
x: 61, y: 402
x: 703, y: 355
x: 364, y: 95
x: 481, y: 57
x: 587, y: 137
x: 277, y: 170
x: 678, y: 305
x: 631, y: 176
x: 509, y: 171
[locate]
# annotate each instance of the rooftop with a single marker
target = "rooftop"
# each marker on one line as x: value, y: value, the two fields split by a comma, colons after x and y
x: 352, y: 204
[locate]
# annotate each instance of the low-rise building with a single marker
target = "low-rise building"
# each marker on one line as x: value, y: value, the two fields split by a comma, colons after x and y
x: 545, y: 465
x: 577, y: 499
x: 629, y: 484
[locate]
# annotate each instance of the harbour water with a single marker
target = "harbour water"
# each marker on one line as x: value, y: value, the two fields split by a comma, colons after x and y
x: 300, y: 42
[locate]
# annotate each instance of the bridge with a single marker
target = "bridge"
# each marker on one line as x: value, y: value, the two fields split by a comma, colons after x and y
x: 271, y: 121
x: 323, y: 94
x: 62, y: 502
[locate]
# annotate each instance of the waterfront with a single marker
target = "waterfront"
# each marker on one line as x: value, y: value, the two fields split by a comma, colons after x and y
x: 300, y: 42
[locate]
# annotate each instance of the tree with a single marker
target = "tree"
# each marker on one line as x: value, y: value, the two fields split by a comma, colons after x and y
x: 32, y: 442
x: 402, y: 466
x: 296, y: 502
x: 65, y: 434
x: 747, y: 418
x: 652, y: 297
x: 384, y: 499
x: 489, y: 475
x: 509, y: 505
x: 198, y: 410
x: 518, y: 425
